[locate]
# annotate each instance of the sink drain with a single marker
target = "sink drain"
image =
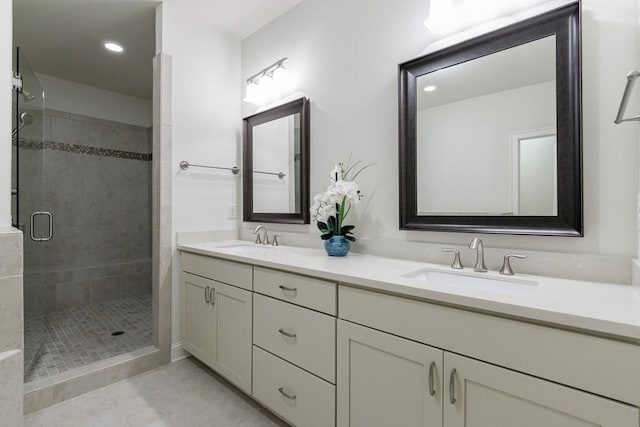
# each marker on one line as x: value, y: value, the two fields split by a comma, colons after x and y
x: 117, y: 333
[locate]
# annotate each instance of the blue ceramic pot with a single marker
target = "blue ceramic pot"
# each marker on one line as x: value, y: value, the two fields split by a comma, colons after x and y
x: 337, y: 246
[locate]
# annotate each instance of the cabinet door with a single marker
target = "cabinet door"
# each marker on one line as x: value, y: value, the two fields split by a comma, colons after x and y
x: 198, y: 320
x: 231, y: 353
x: 483, y: 395
x: 383, y: 380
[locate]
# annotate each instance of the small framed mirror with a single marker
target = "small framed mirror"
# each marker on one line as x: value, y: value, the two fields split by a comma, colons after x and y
x: 276, y: 164
x: 490, y: 132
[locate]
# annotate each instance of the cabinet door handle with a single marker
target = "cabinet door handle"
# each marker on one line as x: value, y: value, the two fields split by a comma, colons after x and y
x: 287, y: 395
x: 432, y: 389
x: 206, y: 295
x: 452, y: 386
x: 287, y: 288
x: 287, y: 334
x: 212, y: 296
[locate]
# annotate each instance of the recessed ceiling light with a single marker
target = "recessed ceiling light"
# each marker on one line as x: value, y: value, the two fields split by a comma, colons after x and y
x: 430, y: 88
x: 113, y: 47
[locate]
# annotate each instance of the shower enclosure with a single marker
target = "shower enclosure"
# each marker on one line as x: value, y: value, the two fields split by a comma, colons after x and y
x: 81, y: 196
x: 28, y: 212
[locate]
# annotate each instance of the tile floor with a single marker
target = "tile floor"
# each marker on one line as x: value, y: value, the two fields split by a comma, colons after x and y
x: 184, y: 394
x: 82, y: 335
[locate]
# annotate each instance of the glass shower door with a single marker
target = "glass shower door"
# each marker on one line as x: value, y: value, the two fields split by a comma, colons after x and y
x: 27, y: 205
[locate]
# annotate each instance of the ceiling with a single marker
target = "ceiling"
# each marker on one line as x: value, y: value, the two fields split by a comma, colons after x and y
x: 242, y: 17
x: 524, y: 65
x: 63, y: 38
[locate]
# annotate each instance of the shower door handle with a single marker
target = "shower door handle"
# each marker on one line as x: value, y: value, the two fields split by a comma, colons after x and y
x: 32, y: 228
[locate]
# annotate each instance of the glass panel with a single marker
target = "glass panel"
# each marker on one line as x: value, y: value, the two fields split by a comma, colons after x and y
x: 276, y: 166
x: 467, y: 116
x: 28, y: 162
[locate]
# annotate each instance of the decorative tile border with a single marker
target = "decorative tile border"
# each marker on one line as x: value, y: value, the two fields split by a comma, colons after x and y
x: 83, y: 149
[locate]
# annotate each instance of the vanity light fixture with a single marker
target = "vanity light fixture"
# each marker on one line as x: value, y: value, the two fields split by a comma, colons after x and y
x: 430, y: 88
x: 268, y: 84
x: 113, y: 47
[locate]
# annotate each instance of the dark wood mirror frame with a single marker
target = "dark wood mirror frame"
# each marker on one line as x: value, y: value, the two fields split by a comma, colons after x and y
x: 564, y: 23
x: 300, y: 106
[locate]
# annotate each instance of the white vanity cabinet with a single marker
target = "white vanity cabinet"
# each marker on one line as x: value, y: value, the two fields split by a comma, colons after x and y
x: 320, y: 354
x: 479, y: 394
x: 384, y: 378
x: 216, y: 316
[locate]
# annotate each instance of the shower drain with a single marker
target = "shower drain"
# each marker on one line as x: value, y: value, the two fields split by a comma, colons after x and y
x: 117, y: 333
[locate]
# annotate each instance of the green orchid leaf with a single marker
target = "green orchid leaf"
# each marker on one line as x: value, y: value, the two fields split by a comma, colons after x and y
x: 323, y: 227
x: 332, y: 223
x: 326, y: 236
x: 351, y: 238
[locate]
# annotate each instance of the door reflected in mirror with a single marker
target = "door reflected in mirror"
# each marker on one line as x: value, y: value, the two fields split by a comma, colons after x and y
x: 534, y: 173
x: 486, y: 135
x: 276, y: 166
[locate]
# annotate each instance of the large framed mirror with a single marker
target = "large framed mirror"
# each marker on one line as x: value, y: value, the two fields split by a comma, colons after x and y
x: 276, y: 164
x: 490, y: 132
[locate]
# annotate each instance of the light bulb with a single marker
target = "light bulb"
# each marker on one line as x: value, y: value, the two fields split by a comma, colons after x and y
x: 113, y: 47
x: 281, y: 75
x: 282, y: 79
x: 442, y: 19
x: 267, y: 85
x: 254, y: 93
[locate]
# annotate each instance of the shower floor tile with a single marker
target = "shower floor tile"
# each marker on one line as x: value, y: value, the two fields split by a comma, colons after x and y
x: 82, y: 335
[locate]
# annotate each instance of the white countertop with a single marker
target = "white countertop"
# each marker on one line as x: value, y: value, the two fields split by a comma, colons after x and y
x: 596, y: 307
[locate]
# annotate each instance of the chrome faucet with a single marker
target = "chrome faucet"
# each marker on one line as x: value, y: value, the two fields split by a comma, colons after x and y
x: 479, y: 247
x: 264, y: 240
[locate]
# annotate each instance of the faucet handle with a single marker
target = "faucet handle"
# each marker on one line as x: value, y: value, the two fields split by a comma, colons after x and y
x: 275, y: 242
x: 258, y: 239
x: 506, y: 265
x: 456, y: 258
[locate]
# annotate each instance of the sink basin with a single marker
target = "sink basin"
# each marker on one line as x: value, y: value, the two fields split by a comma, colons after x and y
x: 469, y: 281
x: 245, y: 248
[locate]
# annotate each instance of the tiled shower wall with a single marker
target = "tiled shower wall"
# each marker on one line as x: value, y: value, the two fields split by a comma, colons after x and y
x: 97, y: 185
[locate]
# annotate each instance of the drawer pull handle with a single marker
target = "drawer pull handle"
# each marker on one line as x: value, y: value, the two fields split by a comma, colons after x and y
x: 206, y: 295
x: 212, y: 296
x: 287, y: 395
x: 287, y: 289
x: 287, y: 334
x: 452, y: 387
x: 432, y: 389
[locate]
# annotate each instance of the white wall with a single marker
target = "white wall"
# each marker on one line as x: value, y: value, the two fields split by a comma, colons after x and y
x: 205, y: 122
x: 72, y: 97
x: 348, y: 68
x: 467, y: 167
x: 6, y: 53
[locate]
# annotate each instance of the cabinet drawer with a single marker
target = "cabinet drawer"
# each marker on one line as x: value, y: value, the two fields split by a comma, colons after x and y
x: 297, y: 396
x: 232, y: 273
x: 313, y: 346
x: 312, y: 293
